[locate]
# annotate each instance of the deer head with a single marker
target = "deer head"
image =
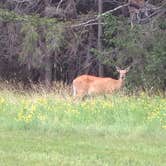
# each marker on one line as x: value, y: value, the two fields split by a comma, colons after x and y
x: 122, y: 73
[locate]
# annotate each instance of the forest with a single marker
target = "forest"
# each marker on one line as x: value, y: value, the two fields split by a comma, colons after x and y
x: 47, y: 41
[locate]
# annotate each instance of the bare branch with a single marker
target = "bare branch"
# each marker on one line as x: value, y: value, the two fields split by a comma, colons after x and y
x: 155, y: 14
x: 22, y: 1
x: 99, y: 16
x: 59, y: 4
x: 94, y: 23
x: 110, y: 11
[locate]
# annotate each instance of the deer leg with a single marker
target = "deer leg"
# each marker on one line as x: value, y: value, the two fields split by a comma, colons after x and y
x: 74, y: 91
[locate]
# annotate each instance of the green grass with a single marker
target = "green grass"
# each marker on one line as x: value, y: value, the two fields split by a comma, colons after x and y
x: 46, y: 129
x: 72, y: 148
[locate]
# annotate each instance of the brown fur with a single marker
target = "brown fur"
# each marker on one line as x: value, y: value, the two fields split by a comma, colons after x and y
x: 88, y: 85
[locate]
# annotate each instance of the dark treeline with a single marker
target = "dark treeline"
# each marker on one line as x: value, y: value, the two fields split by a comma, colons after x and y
x: 52, y: 40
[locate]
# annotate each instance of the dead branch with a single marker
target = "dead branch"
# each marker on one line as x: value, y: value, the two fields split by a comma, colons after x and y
x: 59, y: 4
x: 22, y: 1
x: 92, y: 21
x: 95, y: 23
x: 98, y: 16
x: 155, y: 14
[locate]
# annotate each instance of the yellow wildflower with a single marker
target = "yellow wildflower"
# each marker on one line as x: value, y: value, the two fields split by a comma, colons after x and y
x: 41, y: 117
x: 164, y: 127
x: 2, y: 100
x: 42, y: 100
x: 33, y: 108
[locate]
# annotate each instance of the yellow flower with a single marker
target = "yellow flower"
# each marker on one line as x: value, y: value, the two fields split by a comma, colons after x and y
x: 20, y: 116
x: 41, y: 117
x: 164, y: 127
x: 49, y: 108
x: 2, y: 100
x: 142, y: 94
x: 42, y: 100
x: 33, y: 108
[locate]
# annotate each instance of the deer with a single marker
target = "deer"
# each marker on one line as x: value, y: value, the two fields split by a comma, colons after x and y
x: 135, y: 8
x: 91, y: 85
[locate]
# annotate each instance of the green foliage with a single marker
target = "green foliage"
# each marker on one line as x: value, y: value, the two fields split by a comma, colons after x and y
x: 55, y: 37
x: 141, y: 46
x: 10, y: 16
x: 156, y: 62
x: 31, y: 51
x: 162, y: 25
x: 29, y: 46
x: 34, y: 28
x: 101, y: 56
x: 117, y: 33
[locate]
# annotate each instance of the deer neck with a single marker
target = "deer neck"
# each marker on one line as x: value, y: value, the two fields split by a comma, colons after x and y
x: 120, y: 82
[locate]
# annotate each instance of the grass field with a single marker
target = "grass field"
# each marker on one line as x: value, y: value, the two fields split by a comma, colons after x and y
x: 47, y: 129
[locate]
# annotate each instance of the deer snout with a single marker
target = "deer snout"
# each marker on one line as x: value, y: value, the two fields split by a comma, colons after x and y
x: 123, y: 77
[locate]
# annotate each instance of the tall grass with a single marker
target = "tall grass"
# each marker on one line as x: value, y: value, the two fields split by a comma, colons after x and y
x: 117, y: 113
x: 50, y: 128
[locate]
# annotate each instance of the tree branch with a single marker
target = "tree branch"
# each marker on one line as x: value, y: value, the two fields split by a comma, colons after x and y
x: 92, y: 21
x: 156, y: 13
x: 59, y: 4
x: 98, y: 16
x: 22, y: 1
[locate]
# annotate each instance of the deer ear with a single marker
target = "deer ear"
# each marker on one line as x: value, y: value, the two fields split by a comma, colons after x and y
x: 117, y: 68
x: 128, y: 68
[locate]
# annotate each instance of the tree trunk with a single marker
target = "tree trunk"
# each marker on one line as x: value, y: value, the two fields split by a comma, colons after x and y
x: 99, y: 42
x: 88, y: 55
x: 48, y: 71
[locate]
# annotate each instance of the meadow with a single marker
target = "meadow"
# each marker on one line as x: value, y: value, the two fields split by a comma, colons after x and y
x: 43, y: 128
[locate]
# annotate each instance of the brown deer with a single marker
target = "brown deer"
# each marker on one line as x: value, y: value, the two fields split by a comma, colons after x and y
x: 89, y: 85
x: 135, y: 8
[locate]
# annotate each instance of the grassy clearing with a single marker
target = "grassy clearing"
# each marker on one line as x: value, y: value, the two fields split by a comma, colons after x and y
x: 46, y: 129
